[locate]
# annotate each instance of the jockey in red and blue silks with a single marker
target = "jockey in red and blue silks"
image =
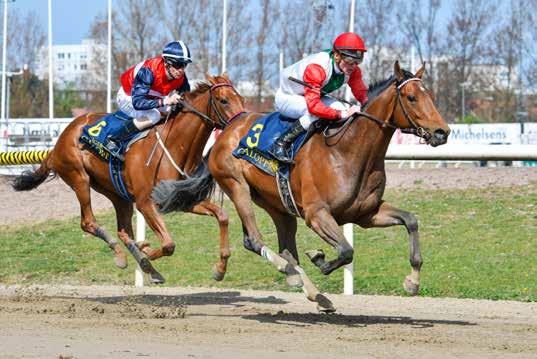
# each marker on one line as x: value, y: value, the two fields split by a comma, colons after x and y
x: 145, y: 88
x: 326, y: 71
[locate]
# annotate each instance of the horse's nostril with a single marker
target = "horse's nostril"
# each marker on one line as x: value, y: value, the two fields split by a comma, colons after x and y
x: 440, y: 133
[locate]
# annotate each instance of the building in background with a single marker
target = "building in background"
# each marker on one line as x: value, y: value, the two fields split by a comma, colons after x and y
x: 72, y: 65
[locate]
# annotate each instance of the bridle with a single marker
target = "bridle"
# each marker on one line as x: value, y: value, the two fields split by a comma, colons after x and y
x: 211, y: 106
x: 414, y: 130
x: 222, y: 122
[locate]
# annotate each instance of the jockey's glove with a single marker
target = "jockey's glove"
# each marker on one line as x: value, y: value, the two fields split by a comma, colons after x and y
x: 172, y: 99
x: 350, y: 111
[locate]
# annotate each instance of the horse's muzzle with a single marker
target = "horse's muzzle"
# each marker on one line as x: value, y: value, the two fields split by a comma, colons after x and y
x: 438, y: 137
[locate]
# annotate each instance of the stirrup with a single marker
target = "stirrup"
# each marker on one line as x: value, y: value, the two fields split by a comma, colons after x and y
x: 281, y: 157
x: 113, y: 149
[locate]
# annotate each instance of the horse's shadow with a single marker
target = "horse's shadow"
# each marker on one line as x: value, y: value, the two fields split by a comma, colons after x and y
x: 233, y: 298
x: 303, y: 319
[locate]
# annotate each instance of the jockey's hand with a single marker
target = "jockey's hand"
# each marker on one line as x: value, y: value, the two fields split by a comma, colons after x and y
x: 172, y: 99
x: 350, y: 111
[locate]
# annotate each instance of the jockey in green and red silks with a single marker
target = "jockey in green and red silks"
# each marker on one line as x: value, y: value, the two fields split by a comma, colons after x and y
x: 146, y: 88
x: 326, y: 71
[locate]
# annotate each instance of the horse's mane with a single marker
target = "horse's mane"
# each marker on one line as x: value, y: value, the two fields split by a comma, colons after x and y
x: 378, y: 87
x: 200, y: 88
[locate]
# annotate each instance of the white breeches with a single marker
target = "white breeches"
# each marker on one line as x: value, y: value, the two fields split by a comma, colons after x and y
x: 142, y: 118
x: 294, y: 106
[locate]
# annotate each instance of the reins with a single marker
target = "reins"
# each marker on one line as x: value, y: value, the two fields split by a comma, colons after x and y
x: 222, y: 123
x: 415, y: 130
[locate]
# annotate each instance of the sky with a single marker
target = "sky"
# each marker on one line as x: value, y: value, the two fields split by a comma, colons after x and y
x: 71, y: 19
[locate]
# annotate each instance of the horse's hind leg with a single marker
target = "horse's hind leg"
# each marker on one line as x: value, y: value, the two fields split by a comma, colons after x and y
x: 210, y: 209
x: 79, y: 182
x: 387, y: 216
x: 286, y: 228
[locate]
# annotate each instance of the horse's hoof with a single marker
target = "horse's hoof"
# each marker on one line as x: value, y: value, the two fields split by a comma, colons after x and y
x: 324, y: 304
x: 411, y: 287
x: 121, y: 260
x: 156, y: 278
x: 315, y: 255
x: 294, y: 280
x: 218, y: 276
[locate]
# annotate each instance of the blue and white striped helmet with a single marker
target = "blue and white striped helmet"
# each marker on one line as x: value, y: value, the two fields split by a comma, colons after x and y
x: 176, y: 52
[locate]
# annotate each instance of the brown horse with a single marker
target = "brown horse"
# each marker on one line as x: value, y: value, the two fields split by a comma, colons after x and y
x: 337, y: 179
x: 170, y: 148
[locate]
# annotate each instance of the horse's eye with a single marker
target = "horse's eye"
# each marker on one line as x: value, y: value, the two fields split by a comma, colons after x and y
x: 411, y: 98
x: 223, y: 101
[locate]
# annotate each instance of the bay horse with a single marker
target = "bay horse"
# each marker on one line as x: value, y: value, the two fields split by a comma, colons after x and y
x: 170, y: 148
x: 337, y: 179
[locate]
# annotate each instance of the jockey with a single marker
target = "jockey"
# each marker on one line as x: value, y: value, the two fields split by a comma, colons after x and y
x: 146, y: 89
x: 326, y: 71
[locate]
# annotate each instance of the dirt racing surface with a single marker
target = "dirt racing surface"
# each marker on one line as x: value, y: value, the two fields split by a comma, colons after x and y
x: 121, y: 322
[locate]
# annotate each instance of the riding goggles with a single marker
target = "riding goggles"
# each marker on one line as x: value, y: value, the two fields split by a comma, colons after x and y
x: 354, y: 58
x: 177, y: 65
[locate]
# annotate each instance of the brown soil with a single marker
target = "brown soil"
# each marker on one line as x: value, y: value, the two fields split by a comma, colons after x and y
x: 125, y: 322
x: 121, y: 322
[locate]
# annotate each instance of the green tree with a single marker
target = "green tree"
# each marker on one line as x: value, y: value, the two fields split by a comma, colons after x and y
x: 66, y: 100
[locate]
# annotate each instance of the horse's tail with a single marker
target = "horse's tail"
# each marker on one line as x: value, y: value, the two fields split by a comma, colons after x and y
x: 29, y: 180
x: 182, y: 195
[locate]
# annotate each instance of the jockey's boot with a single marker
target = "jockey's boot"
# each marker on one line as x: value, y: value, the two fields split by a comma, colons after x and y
x: 281, y: 148
x: 127, y: 130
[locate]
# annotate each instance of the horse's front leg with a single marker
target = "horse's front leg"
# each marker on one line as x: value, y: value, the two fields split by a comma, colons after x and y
x: 386, y: 216
x: 210, y: 209
x: 155, y: 222
x: 322, y: 222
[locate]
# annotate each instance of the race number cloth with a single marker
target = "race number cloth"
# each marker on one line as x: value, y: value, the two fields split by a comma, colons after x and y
x: 265, y: 130
x: 96, y: 135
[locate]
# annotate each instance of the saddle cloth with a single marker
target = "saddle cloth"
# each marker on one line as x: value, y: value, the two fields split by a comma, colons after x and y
x: 255, y: 145
x: 96, y: 134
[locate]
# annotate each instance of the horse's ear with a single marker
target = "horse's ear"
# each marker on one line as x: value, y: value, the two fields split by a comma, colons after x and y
x: 420, y: 71
x: 225, y: 76
x: 209, y: 78
x: 398, y: 72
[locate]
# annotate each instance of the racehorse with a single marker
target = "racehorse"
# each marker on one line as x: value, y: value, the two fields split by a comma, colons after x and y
x: 338, y: 178
x: 171, y: 149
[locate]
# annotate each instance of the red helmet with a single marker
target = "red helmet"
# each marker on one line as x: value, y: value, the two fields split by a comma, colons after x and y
x: 349, y: 42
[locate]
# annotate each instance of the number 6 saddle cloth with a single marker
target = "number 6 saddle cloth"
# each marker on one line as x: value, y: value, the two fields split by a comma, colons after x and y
x: 96, y: 135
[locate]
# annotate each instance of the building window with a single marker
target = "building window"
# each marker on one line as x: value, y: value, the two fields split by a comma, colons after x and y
x: 83, y: 55
x: 61, y: 55
x: 68, y: 55
x: 83, y: 67
x: 75, y: 66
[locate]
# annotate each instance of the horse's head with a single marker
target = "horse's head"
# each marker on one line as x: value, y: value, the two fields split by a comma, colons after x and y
x: 225, y: 103
x: 415, y: 111
x: 216, y: 102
